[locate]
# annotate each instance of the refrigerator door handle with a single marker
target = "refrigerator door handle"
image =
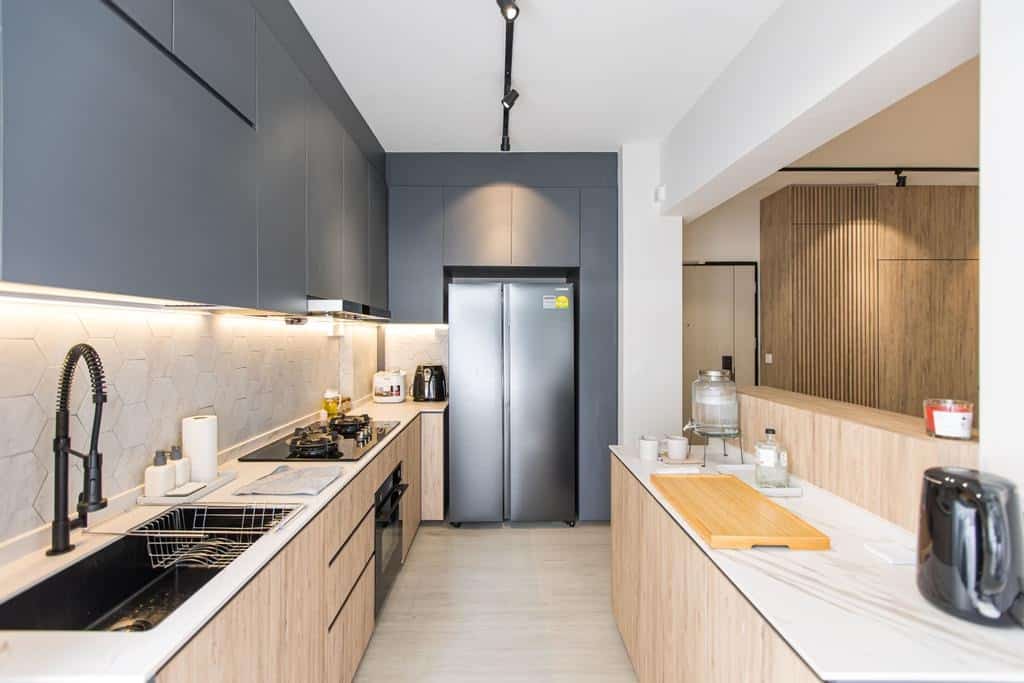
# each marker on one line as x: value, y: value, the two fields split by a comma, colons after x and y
x: 506, y: 431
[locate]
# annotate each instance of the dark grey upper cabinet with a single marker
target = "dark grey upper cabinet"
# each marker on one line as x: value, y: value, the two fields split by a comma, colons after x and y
x: 598, y: 347
x: 545, y: 226
x: 217, y: 40
x: 415, y: 252
x: 355, y: 248
x: 283, y: 98
x: 121, y: 173
x: 378, y: 245
x: 478, y: 226
x: 324, y: 220
x: 155, y: 17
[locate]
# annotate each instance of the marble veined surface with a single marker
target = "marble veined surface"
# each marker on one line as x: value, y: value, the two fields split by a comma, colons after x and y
x: 851, y: 615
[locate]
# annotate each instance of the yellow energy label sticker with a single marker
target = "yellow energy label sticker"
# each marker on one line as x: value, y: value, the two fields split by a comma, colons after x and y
x: 556, y: 302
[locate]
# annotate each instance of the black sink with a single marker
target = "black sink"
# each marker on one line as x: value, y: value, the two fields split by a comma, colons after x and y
x: 114, y: 589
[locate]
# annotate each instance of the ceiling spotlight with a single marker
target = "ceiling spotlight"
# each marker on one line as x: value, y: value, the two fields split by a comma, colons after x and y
x: 509, y: 9
x: 901, y: 180
x: 510, y: 98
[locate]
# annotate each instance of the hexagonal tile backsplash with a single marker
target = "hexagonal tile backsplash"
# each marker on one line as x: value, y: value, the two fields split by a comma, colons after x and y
x: 255, y: 374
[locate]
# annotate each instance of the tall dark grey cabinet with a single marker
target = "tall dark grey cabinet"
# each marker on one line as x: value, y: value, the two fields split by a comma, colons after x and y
x: 478, y: 226
x: 284, y: 97
x: 415, y: 254
x: 545, y: 226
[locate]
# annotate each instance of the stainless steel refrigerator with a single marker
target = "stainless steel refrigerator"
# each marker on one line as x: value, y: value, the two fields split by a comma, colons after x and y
x: 511, y: 402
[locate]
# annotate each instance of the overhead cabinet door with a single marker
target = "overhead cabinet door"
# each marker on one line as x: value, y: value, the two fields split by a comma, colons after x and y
x: 324, y: 197
x: 378, y: 240
x: 217, y: 40
x: 355, y: 275
x: 415, y: 246
x: 121, y: 172
x: 155, y: 17
x: 546, y: 226
x: 283, y: 96
x: 477, y: 226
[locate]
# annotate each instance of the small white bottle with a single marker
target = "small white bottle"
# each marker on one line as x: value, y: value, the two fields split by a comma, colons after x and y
x: 181, y: 465
x: 159, y: 476
x: 771, y: 469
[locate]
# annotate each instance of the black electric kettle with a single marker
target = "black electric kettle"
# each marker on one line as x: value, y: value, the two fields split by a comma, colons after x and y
x: 969, y: 546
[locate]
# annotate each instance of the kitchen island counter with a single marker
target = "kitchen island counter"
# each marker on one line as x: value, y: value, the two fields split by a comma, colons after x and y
x: 846, y: 613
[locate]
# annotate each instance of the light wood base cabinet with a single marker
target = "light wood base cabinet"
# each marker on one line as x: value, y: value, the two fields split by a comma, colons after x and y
x: 412, y: 503
x: 680, y: 618
x: 308, y: 614
x: 432, y: 469
x: 350, y: 633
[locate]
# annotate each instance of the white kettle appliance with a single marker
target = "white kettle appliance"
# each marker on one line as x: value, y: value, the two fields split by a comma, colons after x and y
x: 389, y: 386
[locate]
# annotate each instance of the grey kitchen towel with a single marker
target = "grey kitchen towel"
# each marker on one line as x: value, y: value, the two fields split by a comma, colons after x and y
x: 286, y: 481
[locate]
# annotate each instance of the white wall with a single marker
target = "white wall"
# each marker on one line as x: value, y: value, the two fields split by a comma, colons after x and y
x: 1002, y: 236
x: 812, y: 71
x: 650, y: 301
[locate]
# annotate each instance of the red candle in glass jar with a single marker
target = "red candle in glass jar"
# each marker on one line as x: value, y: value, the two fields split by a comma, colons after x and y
x: 948, y: 418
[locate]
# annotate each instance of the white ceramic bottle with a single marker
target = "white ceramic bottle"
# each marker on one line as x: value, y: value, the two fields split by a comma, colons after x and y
x: 182, y: 469
x: 159, y: 476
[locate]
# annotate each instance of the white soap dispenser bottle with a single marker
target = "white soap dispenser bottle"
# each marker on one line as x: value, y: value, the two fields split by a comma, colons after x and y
x: 182, y: 468
x: 159, y: 476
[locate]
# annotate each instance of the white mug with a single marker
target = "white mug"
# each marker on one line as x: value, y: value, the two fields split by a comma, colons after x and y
x: 676, y: 447
x: 648, y: 448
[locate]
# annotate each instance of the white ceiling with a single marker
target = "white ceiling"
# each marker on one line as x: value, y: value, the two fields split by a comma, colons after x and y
x: 427, y: 75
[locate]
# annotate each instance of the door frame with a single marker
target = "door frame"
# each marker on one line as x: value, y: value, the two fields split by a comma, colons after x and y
x: 757, y: 307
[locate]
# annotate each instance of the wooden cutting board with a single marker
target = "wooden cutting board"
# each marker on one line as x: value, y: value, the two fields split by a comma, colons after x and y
x: 729, y: 514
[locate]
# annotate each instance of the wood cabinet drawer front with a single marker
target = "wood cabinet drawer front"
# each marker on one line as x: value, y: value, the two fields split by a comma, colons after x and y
x: 343, y: 571
x: 346, y: 511
x: 348, y: 637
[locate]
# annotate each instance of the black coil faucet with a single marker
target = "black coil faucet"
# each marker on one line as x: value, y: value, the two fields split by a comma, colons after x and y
x: 91, y: 498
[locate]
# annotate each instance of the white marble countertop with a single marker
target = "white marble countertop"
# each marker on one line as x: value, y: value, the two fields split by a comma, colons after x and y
x: 849, y: 614
x: 136, y: 657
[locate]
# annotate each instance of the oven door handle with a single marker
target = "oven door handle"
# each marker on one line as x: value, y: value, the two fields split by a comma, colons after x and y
x: 384, y: 518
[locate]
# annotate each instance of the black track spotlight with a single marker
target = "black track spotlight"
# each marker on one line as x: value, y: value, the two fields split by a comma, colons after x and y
x: 510, y: 98
x: 901, y: 180
x: 509, y: 9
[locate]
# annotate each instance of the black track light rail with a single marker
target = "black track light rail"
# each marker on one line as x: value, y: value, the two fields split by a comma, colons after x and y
x: 879, y: 169
x: 509, y: 11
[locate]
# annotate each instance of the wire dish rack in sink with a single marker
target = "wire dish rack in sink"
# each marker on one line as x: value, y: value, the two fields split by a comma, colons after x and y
x: 209, y: 535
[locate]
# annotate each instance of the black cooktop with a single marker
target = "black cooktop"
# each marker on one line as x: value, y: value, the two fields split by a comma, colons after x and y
x: 343, y: 438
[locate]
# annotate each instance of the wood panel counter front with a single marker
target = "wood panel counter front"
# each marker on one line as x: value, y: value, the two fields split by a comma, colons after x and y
x: 873, y: 458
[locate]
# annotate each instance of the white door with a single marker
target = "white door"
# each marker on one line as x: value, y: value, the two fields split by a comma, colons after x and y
x: 719, y: 323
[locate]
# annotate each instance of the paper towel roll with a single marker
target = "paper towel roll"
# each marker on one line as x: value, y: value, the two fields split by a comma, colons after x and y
x: 199, y: 445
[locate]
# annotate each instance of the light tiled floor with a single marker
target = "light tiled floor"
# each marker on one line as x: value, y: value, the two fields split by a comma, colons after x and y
x: 501, y: 604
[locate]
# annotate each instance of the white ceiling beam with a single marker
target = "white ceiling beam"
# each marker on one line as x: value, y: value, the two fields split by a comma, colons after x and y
x: 812, y: 71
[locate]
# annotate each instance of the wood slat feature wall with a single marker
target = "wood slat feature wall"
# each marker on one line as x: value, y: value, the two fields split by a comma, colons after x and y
x: 777, y: 289
x: 870, y: 294
x: 835, y: 292
x: 873, y: 458
x: 928, y: 222
x: 928, y: 312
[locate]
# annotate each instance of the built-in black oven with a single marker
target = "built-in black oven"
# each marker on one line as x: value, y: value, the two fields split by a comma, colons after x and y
x: 388, y: 541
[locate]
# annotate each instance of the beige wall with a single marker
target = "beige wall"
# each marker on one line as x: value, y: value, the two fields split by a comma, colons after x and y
x: 935, y: 126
